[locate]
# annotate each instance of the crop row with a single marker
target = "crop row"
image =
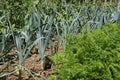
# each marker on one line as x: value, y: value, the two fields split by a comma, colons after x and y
x: 43, y: 21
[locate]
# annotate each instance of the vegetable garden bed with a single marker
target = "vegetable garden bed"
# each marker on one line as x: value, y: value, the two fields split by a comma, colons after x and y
x: 31, y: 33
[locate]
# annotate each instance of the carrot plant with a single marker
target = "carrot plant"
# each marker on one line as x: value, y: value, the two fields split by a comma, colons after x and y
x: 90, y: 55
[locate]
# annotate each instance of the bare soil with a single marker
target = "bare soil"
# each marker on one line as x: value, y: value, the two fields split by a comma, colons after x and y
x: 32, y: 65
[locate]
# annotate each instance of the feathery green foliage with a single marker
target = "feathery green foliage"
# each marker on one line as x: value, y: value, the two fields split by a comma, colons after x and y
x: 91, y: 55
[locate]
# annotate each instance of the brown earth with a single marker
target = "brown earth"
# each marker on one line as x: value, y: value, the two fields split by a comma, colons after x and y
x: 32, y: 70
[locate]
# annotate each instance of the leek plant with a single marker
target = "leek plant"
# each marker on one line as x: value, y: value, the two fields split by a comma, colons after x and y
x: 42, y: 43
x: 22, y: 41
x: 43, y: 35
